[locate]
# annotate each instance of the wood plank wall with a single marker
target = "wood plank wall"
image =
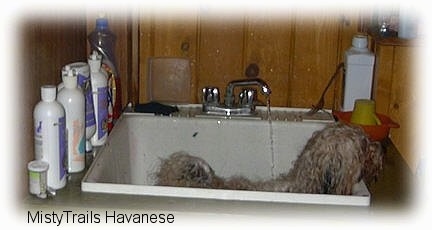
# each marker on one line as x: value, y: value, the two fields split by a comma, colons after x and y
x: 404, y: 102
x: 396, y: 95
x: 296, y: 54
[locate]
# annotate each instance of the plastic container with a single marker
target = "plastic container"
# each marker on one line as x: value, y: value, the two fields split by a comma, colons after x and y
x: 374, y: 132
x: 50, y: 136
x: 103, y: 40
x: 364, y: 113
x: 73, y: 101
x: 38, y: 178
x: 359, y: 66
x: 100, y: 99
x: 83, y: 74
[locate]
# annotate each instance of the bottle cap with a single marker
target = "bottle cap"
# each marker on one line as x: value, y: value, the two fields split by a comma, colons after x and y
x: 38, y: 166
x: 81, y: 68
x: 65, y: 69
x: 359, y: 41
x: 48, y: 93
x: 94, y: 61
x: 95, y: 56
x: 101, y: 23
x: 70, y: 79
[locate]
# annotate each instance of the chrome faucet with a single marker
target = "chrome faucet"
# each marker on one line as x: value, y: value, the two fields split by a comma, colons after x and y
x: 246, y: 103
x: 229, y: 97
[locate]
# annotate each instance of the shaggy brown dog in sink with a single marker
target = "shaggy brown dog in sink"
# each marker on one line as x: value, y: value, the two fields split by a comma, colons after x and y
x: 332, y: 162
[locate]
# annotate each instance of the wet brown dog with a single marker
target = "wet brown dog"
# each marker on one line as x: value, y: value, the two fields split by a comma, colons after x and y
x: 332, y: 162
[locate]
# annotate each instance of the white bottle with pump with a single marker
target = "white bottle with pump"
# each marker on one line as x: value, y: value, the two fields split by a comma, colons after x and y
x: 359, y: 66
x: 83, y: 74
x: 50, y: 136
x: 99, y: 83
x: 72, y: 99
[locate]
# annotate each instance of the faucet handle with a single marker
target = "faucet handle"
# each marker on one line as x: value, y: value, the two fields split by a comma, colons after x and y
x: 247, y: 97
x: 210, y: 95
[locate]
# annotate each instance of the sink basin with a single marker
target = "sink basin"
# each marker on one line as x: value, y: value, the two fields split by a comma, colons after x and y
x: 127, y: 163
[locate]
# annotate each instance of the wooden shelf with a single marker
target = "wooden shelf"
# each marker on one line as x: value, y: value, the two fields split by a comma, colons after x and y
x: 393, y: 40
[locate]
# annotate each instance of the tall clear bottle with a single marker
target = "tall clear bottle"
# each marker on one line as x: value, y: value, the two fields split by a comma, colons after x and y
x: 73, y: 101
x: 103, y: 40
x: 50, y: 136
x: 99, y: 86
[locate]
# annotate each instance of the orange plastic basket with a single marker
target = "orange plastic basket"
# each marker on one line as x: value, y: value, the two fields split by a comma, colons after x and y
x: 375, y: 132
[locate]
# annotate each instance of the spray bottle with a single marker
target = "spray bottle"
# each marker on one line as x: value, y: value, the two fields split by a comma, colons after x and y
x: 99, y: 86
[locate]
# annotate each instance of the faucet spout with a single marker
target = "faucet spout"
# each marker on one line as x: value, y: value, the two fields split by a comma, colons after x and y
x: 229, y: 94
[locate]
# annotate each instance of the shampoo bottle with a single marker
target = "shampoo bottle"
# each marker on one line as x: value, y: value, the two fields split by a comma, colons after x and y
x: 83, y: 74
x: 99, y: 85
x: 72, y: 99
x: 50, y: 136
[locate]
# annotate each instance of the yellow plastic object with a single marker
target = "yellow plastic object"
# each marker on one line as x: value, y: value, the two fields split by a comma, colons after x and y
x: 364, y: 113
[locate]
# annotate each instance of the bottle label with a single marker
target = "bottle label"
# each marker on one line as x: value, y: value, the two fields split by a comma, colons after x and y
x: 36, y: 182
x: 38, y: 140
x: 102, y: 126
x: 111, y: 95
x: 78, y: 141
x: 84, y: 83
x: 62, y: 146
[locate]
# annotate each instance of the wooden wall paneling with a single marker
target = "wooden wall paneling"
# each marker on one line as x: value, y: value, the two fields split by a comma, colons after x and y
x: 403, y: 102
x: 173, y: 30
x: 221, y: 50
x: 315, y: 58
x: 349, y: 26
x: 134, y: 81
x: 268, y: 44
x: 297, y: 54
x: 395, y: 93
x: 383, y: 77
x: 168, y: 34
x: 145, y: 47
x: 175, y: 35
x: 123, y: 49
